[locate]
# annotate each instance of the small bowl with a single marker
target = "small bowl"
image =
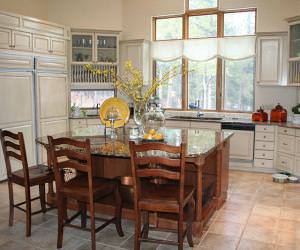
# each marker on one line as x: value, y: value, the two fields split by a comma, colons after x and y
x: 280, y: 178
x: 293, y: 179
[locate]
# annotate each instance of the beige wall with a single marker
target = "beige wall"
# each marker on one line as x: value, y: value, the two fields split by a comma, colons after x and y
x: 33, y: 8
x: 91, y: 14
x: 270, y: 14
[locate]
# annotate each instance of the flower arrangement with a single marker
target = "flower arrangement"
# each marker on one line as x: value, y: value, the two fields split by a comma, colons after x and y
x: 131, y: 83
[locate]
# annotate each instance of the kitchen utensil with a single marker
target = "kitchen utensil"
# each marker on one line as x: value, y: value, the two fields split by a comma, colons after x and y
x: 278, y: 114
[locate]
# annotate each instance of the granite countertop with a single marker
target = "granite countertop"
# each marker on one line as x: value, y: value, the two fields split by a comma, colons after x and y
x: 200, y: 142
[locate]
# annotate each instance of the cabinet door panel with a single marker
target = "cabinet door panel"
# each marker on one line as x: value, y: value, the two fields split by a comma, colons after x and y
x: 241, y: 145
x: 286, y: 144
x: 285, y: 162
x: 269, y: 60
x: 5, y: 38
x: 51, y: 128
x: 58, y: 47
x: 16, y: 97
x: 177, y: 124
x: 52, y: 95
x: 206, y: 125
x: 27, y: 131
x: 22, y: 41
x: 41, y: 44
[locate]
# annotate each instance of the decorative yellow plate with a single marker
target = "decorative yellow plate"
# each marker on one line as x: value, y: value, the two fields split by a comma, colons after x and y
x: 120, y: 105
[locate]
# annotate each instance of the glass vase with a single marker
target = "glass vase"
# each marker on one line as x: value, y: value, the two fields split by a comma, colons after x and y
x: 138, y: 113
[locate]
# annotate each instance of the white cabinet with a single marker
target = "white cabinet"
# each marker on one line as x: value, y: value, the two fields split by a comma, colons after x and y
x: 178, y: 124
x: 58, y: 47
x: 264, y: 146
x: 271, y: 59
x: 41, y: 44
x: 241, y: 145
x: 137, y: 51
x: 21, y: 41
x: 52, y: 92
x: 5, y: 38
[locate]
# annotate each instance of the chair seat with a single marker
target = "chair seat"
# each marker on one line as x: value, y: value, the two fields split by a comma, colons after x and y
x: 163, y: 198
x: 38, y: 174
x: 78, y: 189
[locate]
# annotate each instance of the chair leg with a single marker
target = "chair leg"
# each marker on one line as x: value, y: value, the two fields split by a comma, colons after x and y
x: 118, y: 212
x: 146, y: 225
x: 137, y: 233
x: 61, y: 207
x: 93, y: 227
x: 190, y: 218
x: 82, y: 207
x: 11, y: 203
x: 180, y: 230
x: 42, y: 197
x: 28, y: 211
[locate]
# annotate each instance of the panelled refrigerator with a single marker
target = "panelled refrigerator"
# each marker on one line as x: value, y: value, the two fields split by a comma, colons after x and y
x: 34, y: 94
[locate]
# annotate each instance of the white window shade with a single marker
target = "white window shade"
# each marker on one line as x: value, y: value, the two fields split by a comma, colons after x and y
x: 167, y: 50
x: 230, y: 48
x: 200, y: 49
x: 236, y: 48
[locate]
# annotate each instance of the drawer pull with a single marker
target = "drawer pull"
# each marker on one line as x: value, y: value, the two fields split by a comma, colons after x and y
x: 264, y: 146
x: 265, y: 137
x: 285, y: 144
x: 283, y: 162
x: 262, y: 163
x: 265, y: 129
x: 285, y: 131
x: 263, y: 154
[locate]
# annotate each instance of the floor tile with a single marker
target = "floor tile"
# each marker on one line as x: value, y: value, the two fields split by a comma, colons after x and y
x: 226, y: 228
x: 219, y: 242
x: 260, y: 234
x: 247, y: 244
x: 263, y: 221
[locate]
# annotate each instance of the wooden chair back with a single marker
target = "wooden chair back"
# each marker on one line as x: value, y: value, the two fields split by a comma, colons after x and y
x: 70, y: 153
x: 13, y: 146
x: 168, y: 163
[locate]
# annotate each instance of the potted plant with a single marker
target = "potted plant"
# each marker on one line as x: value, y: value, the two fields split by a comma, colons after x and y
x: 296, y: 111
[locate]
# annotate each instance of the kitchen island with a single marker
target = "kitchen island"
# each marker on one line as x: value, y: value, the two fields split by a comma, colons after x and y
x: 207, y: 165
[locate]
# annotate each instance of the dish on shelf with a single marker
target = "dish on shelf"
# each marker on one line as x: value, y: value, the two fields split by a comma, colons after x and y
x: 122, y: 108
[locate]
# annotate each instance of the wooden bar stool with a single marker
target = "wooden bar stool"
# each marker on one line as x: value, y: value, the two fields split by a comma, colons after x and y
x: 13, y: 146
x: 84, y: 188
x: 172, y: 197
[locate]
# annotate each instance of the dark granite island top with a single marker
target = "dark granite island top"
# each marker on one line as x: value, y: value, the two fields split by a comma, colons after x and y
x: 200, y: 142
x: 207, y: 167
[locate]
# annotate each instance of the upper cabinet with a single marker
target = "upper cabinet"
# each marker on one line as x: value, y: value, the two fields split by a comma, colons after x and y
x: 138, y: 52
x: 294, y: 50
x: 271, y: 59
x: 99, y: 48
x: 95, y: 47
x: 30, y: 34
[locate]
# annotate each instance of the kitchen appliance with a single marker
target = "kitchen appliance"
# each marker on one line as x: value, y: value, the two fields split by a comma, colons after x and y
x: 242, y: 142
x: 40, y: 85
x: 278, y: 114
x: 260, y: 116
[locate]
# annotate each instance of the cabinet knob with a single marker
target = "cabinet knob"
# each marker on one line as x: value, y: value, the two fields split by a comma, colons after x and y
x: 50, y: 51
x: 265, y: 137
x: 264, y: 146
x: 285, y: 144
x: 263, y: 155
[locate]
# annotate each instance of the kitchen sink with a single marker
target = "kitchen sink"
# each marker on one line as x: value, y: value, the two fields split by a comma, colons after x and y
x: 203, y: 118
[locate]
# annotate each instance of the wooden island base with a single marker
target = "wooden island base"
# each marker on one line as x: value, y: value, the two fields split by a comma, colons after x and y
x: 208, y: 174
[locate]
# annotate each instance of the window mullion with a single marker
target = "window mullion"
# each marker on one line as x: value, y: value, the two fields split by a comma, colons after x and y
x: 219, y: 78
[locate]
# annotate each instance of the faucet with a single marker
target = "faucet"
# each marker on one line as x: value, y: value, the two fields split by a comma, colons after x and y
x: 199, y: 113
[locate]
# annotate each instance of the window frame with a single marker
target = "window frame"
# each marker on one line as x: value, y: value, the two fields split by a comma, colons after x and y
x: 220, y: 84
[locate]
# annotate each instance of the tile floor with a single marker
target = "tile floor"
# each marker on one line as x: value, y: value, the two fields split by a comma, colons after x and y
x: 259, y: 215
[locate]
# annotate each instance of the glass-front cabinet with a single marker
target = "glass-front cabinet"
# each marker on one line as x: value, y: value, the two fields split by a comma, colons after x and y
x: 95, y: 48
x: 107, y: 49
x: 294, y: 50
x: 82, y: 47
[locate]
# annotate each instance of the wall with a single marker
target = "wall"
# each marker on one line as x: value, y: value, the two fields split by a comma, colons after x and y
x: 91, y: 14
x: 33, y: 8
x: 270, y: 14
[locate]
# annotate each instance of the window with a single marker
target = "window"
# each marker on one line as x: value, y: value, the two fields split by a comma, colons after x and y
x: 239, y: 23
x: 217, y: 84
x: 238, y: 85
x: 202, y: 4
x: 169, y: 28
x: 171, y: 94
x: 88, y: 98
x: 202, y: 26
x: 202, y: 84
